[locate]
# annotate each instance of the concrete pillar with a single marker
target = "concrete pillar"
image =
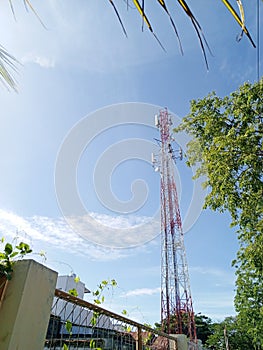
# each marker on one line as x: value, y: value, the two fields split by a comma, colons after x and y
x: 25, y: 311
x: 181, y: 342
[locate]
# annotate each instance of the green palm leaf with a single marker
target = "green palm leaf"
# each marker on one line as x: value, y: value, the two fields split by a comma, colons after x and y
x: 7, y: 63
x: 240, y: 21
x: 202, y: 40
x: 142, y: 13
x: 162, y: 3
x: 197, y: 28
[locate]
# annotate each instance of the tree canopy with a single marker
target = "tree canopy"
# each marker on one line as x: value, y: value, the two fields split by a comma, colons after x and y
x: 228, y: 332
x: 227, y: 149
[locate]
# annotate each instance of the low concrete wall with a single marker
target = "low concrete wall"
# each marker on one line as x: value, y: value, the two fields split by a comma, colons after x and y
x: 26, y: 306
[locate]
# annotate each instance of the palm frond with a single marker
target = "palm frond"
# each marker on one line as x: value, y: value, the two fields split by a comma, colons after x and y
x: 119, y: 17
x: 197, y: 28
x: 27, y: 4
x: 240, y: 21
x: 162, y: 3
x: 12, y: 9
x: 142, y: 13
x: 7, y: 63
x: 140, y: 6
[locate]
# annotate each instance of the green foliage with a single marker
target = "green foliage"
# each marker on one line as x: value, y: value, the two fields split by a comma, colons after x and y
x: 73, y: 292
x: 228, y: 132
x: 99, y: 292
x: 94, y: 344
x: 99, y: 296
x: 249, y: 293
x: 147, y: 339
x: 76, y: 279
x: 227, y: 149
x: 68, y: 326
x: 203, y: 327
x: 184, y: 6
x: 128, y: 329
x: 8, y: 66
x: 228, y: 330
x: 8, y: 63
x: 94, y: 318
x: 10, y: 254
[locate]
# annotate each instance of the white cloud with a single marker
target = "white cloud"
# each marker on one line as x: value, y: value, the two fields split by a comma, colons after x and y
x: 56, y: 233
x: 142, y: 291
x: 43, y: 62
x: 115, y: 231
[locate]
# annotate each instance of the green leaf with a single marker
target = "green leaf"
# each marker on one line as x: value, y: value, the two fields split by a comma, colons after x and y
x: 113, y: 283
x: 76, y: 279
x: 73, y: 292
x: 93, y: 321
x: 68, y: 326
x: 96, y: 293
x: 128, y: 329
x: 8, y: 248
x: 24, y: 248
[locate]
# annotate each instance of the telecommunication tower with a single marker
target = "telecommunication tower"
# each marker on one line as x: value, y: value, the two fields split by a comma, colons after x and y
x: 177, y: 316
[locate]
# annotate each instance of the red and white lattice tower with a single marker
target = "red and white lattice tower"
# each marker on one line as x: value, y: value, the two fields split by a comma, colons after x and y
x: 177, y: 314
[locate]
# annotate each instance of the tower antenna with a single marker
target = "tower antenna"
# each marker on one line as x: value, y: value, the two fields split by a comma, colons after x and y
x: 177, y: 315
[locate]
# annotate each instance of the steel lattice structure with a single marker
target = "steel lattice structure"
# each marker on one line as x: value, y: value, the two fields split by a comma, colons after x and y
x: 177, y: 314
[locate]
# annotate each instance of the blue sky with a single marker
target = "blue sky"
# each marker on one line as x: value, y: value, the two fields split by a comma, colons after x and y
x: 79, y: 75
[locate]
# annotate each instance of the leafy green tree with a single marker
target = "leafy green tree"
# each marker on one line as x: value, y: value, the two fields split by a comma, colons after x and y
x: 203, y: 326
x: 227, y: 149
x: 228, y: 332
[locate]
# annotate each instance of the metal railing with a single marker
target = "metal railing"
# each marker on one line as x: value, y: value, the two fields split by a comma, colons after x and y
x: 78, y: 324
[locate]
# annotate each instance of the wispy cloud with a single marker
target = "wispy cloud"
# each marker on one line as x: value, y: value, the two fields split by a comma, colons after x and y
x: 56, y: 233
x: 42, y: 61
x: 216, y: 276
x: 207, y: 271
x: 115, y: 231
x: 142, y: 291
x: 215, y: 305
